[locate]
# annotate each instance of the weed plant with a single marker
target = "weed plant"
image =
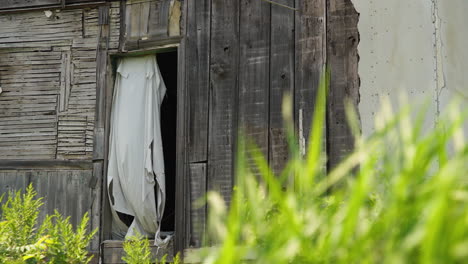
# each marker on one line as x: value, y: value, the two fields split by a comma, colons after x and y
x: 137, y: 251
x: 55, y: 241
x: 400, y: 197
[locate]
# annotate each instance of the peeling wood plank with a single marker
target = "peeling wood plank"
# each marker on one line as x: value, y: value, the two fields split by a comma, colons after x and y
x: 310, y: 60
x: 174, y: 18
x: 343, y: 39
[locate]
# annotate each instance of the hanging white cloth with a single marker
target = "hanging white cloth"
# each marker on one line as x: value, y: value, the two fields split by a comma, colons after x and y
x: 136, y: 162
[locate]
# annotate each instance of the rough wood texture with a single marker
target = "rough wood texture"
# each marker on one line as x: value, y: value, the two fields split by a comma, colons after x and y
x: 48, y: 74
x: 281, y: 80
x: 27, y: 3
x: 197, y: 205
x: 310, y: 61
x: 182, y: 185
x: 254, y: 72
x: 223, y: 95
x: 48, y: 77
x: 198, y: 76
x: 63, y: 190
x: 45, y: 164
x: 343, y: 38
x: 150, y: 20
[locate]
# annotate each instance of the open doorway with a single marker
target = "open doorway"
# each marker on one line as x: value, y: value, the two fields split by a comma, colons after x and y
x: 167, y: 62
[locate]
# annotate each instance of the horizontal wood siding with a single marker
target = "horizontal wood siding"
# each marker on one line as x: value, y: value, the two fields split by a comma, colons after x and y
x: 27, y: 3
x: 48, y: 73
x: 48, y: 77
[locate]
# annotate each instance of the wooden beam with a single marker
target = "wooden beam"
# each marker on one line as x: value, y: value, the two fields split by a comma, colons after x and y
x: 180, y: 239
x: 53, y: 4
x: 342, y: 56
x: 45, y: 164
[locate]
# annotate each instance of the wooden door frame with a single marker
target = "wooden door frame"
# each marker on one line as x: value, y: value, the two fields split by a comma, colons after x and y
x: 181, y: 127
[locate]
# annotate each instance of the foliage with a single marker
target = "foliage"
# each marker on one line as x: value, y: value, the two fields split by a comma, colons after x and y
x: 137, y: 251
x: 53, y: 242
x: 400, y: 197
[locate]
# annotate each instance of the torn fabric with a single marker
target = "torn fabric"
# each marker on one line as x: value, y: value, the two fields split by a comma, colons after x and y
x: 136, y: 162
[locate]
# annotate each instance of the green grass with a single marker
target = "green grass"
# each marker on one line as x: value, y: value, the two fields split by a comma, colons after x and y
x: 23, y: 241
x: 400, y: 197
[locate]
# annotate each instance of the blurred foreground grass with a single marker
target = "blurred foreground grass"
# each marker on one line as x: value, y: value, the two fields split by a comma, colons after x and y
x: 401, y: 197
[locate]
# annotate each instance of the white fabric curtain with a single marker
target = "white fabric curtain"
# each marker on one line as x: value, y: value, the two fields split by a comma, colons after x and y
x: 136, y: 163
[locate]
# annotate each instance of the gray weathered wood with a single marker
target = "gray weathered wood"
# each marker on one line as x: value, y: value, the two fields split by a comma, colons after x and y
x: 180, y: 240
x: 310, y: 61
x: 158, y: 20
x: 27, y: 3
x: 197, y: 203
x: 45, y: 164
x: 223, y: 95
x: 254, y: 72
x: 281, y: 80
x: 343, y: 39
x: 198, y: 75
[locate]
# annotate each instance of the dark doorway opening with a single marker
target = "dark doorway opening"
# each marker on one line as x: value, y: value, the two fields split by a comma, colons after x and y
x: 168, y: 66
x: 167, y: 62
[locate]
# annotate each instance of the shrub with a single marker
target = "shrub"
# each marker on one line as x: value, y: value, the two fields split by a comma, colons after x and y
x: 53, y: 242
x: 400, y: 197
x: 137, y: 251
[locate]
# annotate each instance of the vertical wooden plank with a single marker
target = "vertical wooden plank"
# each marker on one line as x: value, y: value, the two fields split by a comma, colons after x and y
x: 61, y: 197
x: 65, y: 81
x: 310, y: 60
x: 198, y: 75
x: 52, y: 186
x: 39, y: 181
x: 343, y: 39
x: 180, y: 240
x: 223, y: 95
x: 143, y: 20
x: 197, y: 211
x: 281, y: 80
x: 254, y: 71
x: 72, y: 189
x: 99, y: 151
x: 100, y: 215
x: 132, y: 17
x: 159, y: 18
x: 174, y: 18
x: 3, y: 194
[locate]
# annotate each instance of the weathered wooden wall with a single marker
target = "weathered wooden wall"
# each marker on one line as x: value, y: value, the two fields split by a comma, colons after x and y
x: 48, y: 106
x: 242, y: 57
x: 237, y: 60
